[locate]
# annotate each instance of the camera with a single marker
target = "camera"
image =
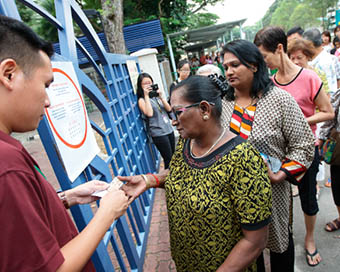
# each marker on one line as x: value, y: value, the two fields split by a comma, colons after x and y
x: 154, y: 92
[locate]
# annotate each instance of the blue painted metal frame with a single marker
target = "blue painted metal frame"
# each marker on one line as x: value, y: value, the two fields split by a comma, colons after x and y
x: 124, y: 136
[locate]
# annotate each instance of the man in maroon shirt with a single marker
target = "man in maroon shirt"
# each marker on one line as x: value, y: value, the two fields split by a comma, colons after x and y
x: 37, y: 233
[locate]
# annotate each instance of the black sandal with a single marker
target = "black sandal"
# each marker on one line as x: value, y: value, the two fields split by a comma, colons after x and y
x: 311, y: 256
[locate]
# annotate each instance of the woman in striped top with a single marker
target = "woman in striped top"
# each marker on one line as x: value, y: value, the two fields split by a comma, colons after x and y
x: 271, y: 120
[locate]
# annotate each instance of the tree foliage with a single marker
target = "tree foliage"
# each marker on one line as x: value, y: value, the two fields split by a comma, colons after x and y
x: 174, y: 16
x: 304, y: 13
x: 290, y: 13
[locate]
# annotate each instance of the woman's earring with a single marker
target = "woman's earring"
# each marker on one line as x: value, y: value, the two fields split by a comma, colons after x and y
x: 205, y: 117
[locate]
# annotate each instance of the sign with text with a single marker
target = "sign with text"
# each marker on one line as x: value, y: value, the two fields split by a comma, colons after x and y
x: 133, y: 73
x: 69, y: 121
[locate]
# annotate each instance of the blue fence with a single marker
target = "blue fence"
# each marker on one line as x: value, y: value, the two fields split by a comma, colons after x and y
x: 122, y: 134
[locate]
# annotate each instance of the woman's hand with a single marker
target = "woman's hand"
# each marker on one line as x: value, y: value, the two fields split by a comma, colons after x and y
x: 134, y: 186
x: 82, y: 193
x: 277, y: 177
x: 147, y: 89
x: 115, y: 202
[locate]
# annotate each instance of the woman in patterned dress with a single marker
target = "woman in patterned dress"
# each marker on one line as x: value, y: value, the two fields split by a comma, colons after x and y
x: 217, y: 189
x: 271, y: 120
x: 307, y: 89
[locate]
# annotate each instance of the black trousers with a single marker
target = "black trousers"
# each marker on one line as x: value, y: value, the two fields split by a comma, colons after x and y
x: 307, y: 187
x: 166, y: 146
x: 279, y: 262
x: 335, y: 177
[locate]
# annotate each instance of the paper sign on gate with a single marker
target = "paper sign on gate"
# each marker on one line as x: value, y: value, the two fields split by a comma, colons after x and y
x: 133, y: 73
x: 69, y: 121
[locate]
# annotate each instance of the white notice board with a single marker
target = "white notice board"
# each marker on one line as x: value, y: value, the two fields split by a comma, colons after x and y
x: 69, y: 121
x: 133, y: 73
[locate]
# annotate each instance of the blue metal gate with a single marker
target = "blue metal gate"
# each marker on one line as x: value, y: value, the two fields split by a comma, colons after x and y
x: 123, y: 135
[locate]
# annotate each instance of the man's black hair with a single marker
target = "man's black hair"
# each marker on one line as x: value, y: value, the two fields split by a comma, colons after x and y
x: 20, y: 43
x: 295, y: 29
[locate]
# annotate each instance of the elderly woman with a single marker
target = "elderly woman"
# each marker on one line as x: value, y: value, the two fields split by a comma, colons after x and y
x: 300, y: 52
x: 306, y: 87
x: 271, y: 120
x: 209, y: 69
x: 217, y: 189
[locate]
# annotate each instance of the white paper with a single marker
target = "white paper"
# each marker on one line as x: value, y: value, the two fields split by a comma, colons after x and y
x: 69, y: 121
x: 114, y: 182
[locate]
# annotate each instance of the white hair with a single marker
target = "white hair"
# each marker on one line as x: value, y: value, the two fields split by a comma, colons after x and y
x: 208, y: 69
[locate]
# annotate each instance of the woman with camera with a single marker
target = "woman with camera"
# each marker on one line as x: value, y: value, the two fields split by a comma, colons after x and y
x: 154, y: 106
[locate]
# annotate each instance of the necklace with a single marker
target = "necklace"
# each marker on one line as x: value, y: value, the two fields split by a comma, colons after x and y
x: 211, y: 148
x: 250, y: 104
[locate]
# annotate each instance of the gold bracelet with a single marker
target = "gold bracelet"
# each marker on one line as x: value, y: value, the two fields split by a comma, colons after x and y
x: 147, y: 182
x: 63, y: 199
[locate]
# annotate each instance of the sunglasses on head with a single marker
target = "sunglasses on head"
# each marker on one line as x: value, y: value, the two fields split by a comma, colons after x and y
x: 178, y: 112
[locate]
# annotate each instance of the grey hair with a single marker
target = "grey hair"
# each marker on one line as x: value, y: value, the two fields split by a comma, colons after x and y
x: 209, y: 69
x: 314, y: 35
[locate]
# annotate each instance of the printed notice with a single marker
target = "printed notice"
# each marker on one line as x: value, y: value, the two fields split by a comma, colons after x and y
x: 69, y: 121
x: 133, y: 73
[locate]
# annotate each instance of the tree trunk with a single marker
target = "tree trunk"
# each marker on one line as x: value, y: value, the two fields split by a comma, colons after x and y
x: 113, y: 25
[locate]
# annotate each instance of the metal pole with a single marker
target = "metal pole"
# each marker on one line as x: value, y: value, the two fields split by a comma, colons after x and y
x: 172, y: 58
x: 241, y: 32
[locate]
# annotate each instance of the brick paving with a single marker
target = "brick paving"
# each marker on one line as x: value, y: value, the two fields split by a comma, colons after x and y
x: 158, y: 257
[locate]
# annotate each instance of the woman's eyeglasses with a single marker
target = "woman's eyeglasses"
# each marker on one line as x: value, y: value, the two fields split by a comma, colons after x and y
x: 179, y: 111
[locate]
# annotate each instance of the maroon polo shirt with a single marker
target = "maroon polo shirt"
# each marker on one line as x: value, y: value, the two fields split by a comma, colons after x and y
x: 34, y: 224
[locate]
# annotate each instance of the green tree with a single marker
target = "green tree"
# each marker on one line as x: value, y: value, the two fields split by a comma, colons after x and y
x: 301, y: 18
x: 282, y: 14
x: 175, y: 16
x: 305, y: 13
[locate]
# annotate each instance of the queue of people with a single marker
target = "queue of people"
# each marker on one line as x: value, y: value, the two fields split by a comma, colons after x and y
x: 296, y: 98
x: 306, y: 88
x: 245, y: 138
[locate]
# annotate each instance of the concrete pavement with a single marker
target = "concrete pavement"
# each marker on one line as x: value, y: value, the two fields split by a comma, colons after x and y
x: 328, y: 243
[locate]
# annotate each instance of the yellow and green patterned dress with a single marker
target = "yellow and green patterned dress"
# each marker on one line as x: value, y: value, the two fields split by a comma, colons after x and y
x: 211, y: 199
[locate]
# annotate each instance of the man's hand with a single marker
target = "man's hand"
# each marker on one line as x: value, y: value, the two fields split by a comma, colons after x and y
x: 114, y: 203
x: 134, y: 186
x: 82, y: 193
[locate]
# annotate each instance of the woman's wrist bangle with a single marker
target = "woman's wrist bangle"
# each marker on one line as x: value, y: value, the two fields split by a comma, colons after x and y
x: 147, y: 182
x: 157, y: 180
x: 63, y: 199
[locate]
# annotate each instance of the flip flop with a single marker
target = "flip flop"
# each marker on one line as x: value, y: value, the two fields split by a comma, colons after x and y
x: 311, y: 257
x: 333, y: 225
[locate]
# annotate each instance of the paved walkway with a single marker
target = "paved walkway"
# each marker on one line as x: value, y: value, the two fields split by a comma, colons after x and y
x: 158, y: 258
